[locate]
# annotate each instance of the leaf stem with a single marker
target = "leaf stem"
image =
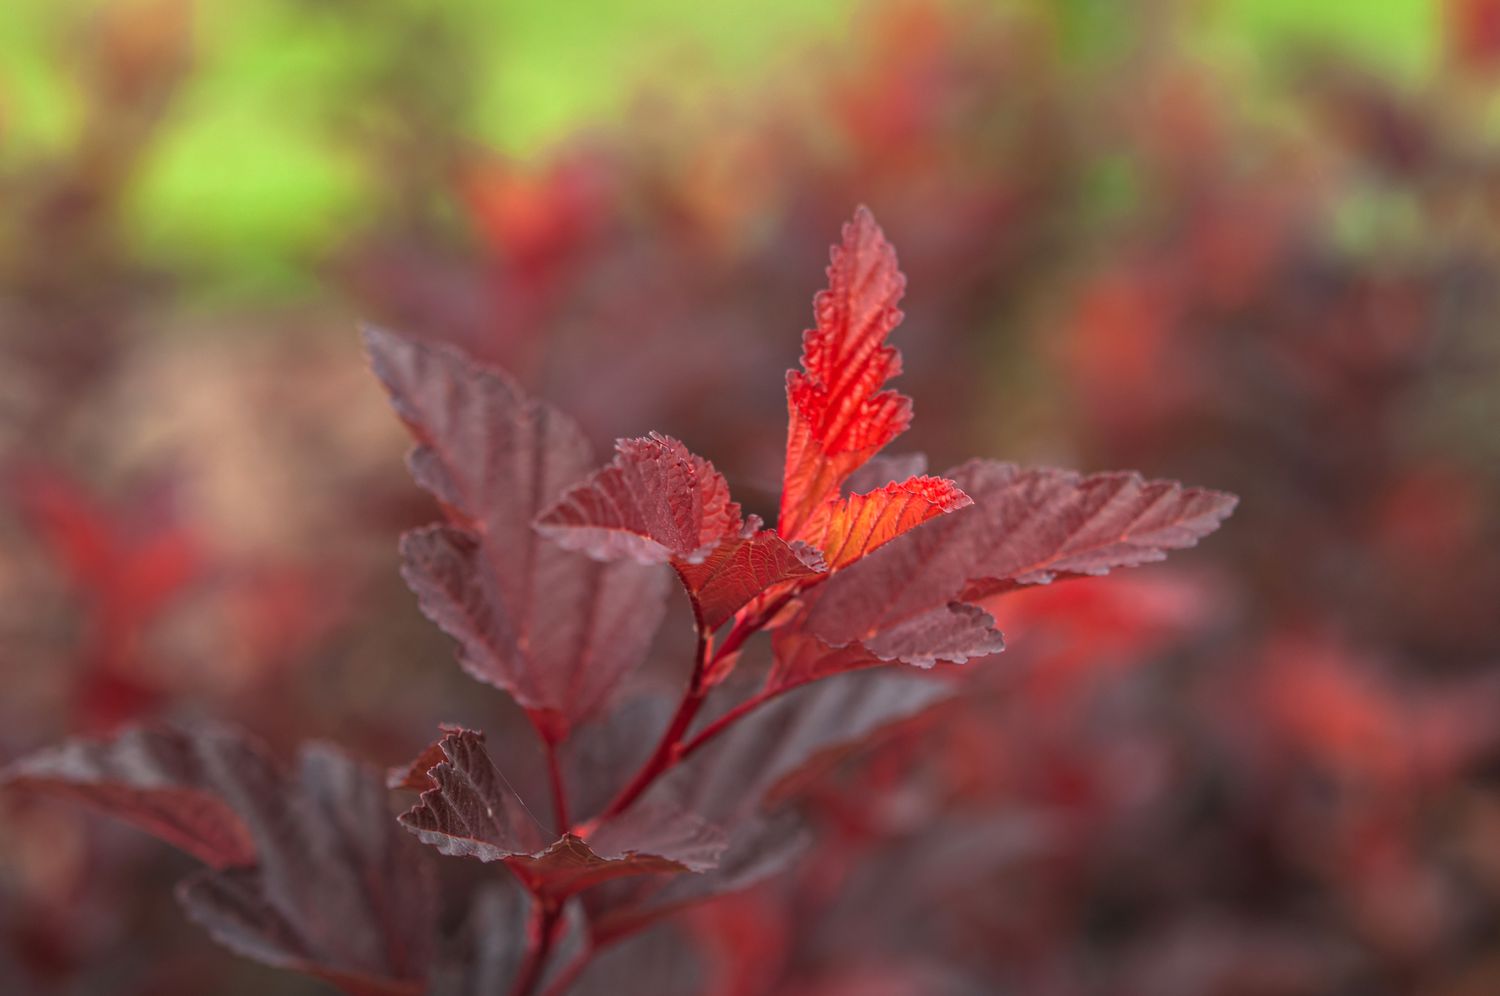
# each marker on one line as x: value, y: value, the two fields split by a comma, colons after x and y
x: 541, y: 932
x: 669, y: 749
x: 570, y: 973
x: 559, y: 789
x: 725, y: 721
x: 663, y: 757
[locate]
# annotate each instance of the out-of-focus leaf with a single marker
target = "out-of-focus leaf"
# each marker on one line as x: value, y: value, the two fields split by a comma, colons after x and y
x: 730, y: 779
x: 327, y: 884
x: 167, y: 783
x: 762, y: 846
x: 485, y: 954
x: 660, y: 962
x: 603, y: 755
x: 1025, y: 527
x: 558, y: 630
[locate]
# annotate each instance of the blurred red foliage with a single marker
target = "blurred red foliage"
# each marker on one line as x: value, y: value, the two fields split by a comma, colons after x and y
x: 1272, y: 773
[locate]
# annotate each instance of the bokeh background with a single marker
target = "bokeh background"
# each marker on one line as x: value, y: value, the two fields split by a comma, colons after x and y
x: 1251, y: 244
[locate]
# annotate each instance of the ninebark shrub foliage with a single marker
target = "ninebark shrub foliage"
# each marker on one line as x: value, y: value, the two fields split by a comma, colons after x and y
x: 552, y: 575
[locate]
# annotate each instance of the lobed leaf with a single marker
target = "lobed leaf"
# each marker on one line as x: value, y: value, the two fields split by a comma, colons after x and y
x: 165, y: 782
x: 656, y: 502
x: 469, y: 810
x: 318, y: 878
x: 907, y: 601
x: 838, y: 414
x: 744, y: 568
x: 557, y: 630
x: 846, y: 529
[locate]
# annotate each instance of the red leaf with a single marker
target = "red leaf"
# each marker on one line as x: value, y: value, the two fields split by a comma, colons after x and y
x: 657, y: 502
x: 883, y: 469
x: 743, y: 568
x: 800, y: 658
x: 846, y: 529
x: 1026, y: 527
x: 557, y: 630
x: 471, y: 811
x: 839, y: 416
x: 313, y: 874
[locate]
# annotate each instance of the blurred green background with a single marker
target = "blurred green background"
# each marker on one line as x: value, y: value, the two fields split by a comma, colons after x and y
x: 252, y: 172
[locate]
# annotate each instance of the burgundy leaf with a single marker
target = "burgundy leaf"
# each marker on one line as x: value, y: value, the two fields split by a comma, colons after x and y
x: 605, y: 754
x: 1026, y: 527
x: 762, y: 846
x: 559, y: 631
x: 336, y: 872
x: 661, y: 962
x: 335, y: 889
x: 656, y: 502
x: 165, y: 782
x: 470, y: 811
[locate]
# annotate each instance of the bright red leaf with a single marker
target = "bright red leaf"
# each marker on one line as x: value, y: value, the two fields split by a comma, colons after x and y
x: 839, y: 415
x: 847, y: 529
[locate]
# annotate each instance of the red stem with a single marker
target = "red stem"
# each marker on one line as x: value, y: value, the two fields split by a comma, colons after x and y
x: 540, y: 934
x: 570, y: 973
x: 725, y: 721
x: 670, y: 750
x: 559, y: 790
x: 662, y: 757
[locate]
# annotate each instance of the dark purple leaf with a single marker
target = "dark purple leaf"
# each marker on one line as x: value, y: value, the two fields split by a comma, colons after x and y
x: 335, y: 889
x: 558, y: 630
x: 470, y: 811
